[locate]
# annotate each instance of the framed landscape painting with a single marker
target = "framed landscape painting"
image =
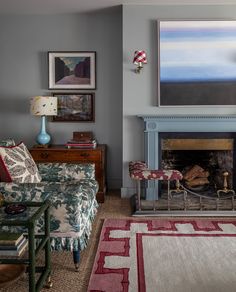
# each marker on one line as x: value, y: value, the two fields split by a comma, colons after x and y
x: 74, y: 107
x: 72, y: 70
x: 197, y: 63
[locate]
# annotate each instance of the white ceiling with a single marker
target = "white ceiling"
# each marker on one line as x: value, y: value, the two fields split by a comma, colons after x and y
x: 75, y: 6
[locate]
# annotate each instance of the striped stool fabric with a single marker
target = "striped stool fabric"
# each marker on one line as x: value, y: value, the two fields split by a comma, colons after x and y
x: 139, y: 171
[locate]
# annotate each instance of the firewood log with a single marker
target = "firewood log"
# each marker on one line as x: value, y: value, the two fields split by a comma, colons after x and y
x: 205, y: 174
x: 194, y: 172
x: 200, y: 181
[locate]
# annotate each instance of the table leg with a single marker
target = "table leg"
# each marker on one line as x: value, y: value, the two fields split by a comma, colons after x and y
x: 48, y: 246
x: 32, y: 260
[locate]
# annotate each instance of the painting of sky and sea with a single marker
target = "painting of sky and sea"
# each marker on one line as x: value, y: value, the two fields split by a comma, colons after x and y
x: 197, y: 63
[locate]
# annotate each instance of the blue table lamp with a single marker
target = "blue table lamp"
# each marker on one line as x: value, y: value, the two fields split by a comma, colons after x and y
x: 43, y: 106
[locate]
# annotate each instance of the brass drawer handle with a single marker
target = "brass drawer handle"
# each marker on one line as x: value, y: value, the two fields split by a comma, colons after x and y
x: 44, y: 155
x: 84, y: 154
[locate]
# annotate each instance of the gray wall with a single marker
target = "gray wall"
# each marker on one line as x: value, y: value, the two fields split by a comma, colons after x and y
x: 25, y: 41
x: 140, y: 90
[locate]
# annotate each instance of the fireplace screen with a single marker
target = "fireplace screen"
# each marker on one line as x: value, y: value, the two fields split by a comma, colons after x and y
x: 203, y: 162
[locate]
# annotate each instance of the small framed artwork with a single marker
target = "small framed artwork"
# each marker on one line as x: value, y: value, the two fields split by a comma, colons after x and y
x: 74, y: 107
x: 196, y: 63
x: 72, y: 70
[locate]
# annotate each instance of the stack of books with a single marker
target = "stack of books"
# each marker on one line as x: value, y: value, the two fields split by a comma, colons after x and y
x: 83, y: 140
x: 85, y: 144
x: 12, y: 244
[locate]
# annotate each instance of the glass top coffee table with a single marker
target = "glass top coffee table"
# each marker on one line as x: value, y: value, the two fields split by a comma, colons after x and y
x: 27, y: 220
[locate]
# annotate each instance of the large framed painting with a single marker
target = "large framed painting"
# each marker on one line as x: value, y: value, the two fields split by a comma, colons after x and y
x: 74, y: 107
x: 72, y: 70
x: 197, y: 63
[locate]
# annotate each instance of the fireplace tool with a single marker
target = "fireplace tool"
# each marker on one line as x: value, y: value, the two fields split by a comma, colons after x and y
x: 225, y: 189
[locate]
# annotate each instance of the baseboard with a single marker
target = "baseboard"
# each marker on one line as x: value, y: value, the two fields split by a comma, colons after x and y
x: 114, y: 183
x: 127, y: 192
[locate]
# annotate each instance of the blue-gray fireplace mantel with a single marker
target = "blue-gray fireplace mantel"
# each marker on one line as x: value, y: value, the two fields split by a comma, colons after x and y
x: 153, y: 125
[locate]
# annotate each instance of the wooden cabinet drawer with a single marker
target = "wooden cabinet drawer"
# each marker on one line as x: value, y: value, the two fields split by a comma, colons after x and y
x: 65, y: 155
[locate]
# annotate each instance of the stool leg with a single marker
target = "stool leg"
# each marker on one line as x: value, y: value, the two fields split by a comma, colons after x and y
x: 168, y: 195
x: 139, y: 194
x: 154, y: 201
x: 76, y: 258
x: 185, y: 202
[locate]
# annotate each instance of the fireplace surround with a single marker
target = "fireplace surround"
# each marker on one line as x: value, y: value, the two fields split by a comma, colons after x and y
x: 203, y: 127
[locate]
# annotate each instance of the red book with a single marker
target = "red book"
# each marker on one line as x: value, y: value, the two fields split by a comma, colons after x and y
x: 81, y: 145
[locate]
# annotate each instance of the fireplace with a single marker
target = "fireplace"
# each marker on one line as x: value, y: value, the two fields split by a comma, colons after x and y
x: 207, y: 129
x: 202, y: 145
x: 205, y: 159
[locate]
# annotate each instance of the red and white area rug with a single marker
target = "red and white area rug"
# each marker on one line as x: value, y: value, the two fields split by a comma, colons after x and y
x: 166, y: 256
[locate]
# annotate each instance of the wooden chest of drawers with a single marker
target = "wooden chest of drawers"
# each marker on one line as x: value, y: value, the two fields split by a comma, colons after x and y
x: 58, y: 153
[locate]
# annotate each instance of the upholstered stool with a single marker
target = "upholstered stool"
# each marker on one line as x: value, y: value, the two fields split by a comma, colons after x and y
x: 139, y: 171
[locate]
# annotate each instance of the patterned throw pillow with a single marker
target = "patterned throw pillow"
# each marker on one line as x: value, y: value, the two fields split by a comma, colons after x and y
x: 17, y: 165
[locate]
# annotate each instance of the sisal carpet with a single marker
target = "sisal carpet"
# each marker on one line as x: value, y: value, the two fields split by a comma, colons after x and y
x: 175, y: 255
x: 64, y: 277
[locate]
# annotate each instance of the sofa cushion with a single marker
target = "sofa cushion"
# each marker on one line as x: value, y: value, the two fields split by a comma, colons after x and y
x: 7, y: 142
x: 62, y: 172
x: 17, y: 165
x: 73, y: 209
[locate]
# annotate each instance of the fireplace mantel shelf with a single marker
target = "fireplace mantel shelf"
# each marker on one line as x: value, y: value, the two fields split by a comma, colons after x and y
x: 189, y: 123
x: 164, y: 117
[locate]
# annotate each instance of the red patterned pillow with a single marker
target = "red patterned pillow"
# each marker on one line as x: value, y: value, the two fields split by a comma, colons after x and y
x: 17, y: 165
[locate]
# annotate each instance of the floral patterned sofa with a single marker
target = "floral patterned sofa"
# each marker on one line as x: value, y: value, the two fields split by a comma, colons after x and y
x: 72, y: 189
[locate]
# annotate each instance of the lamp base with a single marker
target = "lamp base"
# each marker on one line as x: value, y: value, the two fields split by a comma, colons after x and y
x: 43, y: 138
x: 41, y: 146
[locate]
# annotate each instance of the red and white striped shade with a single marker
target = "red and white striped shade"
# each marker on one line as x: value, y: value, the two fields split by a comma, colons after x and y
x: 140, y: 57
